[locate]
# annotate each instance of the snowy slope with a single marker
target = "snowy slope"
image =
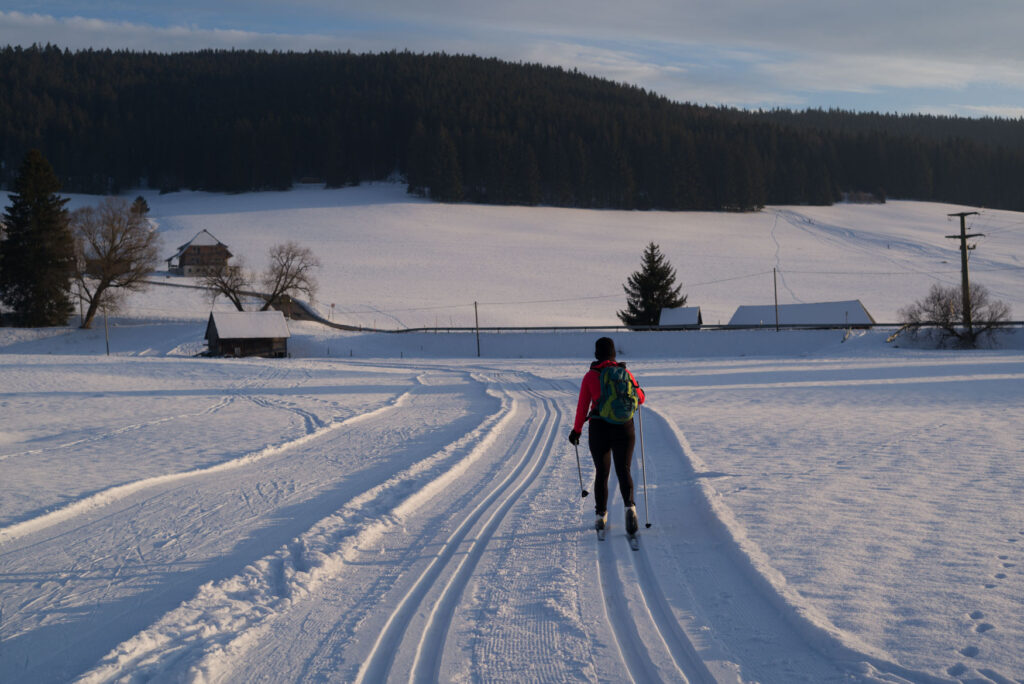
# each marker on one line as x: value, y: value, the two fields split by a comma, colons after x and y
x: 391, y: 260
x: 385, y: 507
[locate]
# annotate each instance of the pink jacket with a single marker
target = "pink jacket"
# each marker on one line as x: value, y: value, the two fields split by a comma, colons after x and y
x: 590, y: 392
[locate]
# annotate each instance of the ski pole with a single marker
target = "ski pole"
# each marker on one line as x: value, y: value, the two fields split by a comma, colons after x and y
x: 579, y: 469
x: 643, y: 465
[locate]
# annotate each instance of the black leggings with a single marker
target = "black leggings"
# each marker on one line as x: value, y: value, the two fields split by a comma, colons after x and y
x: 607, y: 442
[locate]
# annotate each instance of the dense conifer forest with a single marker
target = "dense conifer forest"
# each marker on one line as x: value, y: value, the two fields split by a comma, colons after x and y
x: 467, y: 128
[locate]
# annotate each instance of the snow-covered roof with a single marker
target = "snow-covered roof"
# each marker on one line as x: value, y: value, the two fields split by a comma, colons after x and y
x: 680, y: 316
x: 244, y: 325
x: 817, y: 313
x: 202, y: 239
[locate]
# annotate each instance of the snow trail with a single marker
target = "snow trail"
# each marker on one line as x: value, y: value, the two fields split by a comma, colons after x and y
x: 484, y: 519
x: 138, y: 557
x: 196, y: 639
x: 441, y: 537
x: 756, y: 622
x: 121, y: 492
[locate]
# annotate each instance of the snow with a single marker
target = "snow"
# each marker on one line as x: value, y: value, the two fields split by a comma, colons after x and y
x: 202, y: 239
x: 680, y: 316
x: 244, y: 325
x: 812, y: 313
x: 824, y: 506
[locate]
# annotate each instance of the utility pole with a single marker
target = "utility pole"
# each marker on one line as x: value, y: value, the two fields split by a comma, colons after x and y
x: 775, y: 287
x: 965, y: 286
x: 106, y: 330
x: 476, y: 315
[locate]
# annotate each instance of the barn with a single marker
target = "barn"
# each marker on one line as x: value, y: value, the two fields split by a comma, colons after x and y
x: 833, y: 314
x: 247, y: 333
x: 199, y: 256
x: 680, y: 318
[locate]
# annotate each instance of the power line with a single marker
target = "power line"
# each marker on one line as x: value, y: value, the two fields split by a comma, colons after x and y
x: 559, y: 300
x: 726, y: 280
x: 869, y: 273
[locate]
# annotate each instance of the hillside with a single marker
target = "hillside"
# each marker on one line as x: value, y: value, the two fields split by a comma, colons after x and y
x: 458, y: 127
x: 393, y: 261
x: 384, y: 507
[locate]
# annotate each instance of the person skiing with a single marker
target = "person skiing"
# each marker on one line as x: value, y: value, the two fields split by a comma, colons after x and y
x: 611, y: 436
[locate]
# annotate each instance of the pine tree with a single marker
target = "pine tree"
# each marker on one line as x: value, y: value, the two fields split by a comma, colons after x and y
x: 446, y: 180
x: 37, y: 256
x: 140, y: 206
x: 651, y: 289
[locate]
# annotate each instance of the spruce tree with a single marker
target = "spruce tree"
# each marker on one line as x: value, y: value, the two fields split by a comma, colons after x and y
x: 651, y: 289
x: 37, y: 256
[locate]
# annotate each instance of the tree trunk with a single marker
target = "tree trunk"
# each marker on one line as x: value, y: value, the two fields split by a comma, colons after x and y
x: 95, y: 301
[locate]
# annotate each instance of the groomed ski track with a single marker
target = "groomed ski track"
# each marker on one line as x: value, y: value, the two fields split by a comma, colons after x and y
x: 439, y: 536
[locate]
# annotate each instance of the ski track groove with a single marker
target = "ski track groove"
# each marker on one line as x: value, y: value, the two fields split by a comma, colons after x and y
x: 426, y: 666
x: 638, y: 663
x: 117, y: 493
x: 429, y: 651
x: 221, y: 404
x: 678, y: 645
x: 847, y: 239
x: 218, y: 629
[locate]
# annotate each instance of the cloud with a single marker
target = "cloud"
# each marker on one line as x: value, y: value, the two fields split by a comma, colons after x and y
x: 764, y: 53
x: 995, y: 111
x: 78, y: 32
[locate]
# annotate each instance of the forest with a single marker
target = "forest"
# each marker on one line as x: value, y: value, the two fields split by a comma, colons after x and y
x: 465, y: 128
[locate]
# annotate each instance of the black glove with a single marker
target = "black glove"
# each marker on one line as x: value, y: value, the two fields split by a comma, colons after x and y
x: 574, y: 438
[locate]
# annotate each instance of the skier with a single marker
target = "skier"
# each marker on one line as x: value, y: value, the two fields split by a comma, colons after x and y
x: 609, y: 439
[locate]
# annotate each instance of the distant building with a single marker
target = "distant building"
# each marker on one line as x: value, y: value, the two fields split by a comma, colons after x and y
x: 681, y: 317
x: 199, y: 256
x: 849, y: 314
x: 247, y: 333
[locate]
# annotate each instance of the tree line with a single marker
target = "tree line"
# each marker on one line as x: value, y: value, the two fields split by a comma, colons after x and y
x: 464, y: 128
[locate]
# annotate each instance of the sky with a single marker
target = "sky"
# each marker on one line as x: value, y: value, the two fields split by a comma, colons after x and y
x: 905, y: 56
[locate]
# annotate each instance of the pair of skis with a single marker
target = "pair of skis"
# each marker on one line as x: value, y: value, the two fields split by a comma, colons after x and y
x: 634, y: 541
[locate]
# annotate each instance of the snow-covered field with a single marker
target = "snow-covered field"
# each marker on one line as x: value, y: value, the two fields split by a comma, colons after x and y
x: 393, y: 507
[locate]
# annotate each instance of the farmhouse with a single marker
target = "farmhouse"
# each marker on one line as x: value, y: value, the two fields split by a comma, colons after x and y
x: 199, y: 256
x: 247, y: 333
x: 848, y: 314
x: 681, y: 317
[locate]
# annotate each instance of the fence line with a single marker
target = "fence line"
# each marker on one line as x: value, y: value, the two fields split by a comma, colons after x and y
x: 302, y: 310
x: 656, y: 328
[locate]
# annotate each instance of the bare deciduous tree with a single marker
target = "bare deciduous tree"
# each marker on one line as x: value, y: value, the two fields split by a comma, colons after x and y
x: 943, y: 309
x: 232, y: 281
x: 290, y: 271
x: 115, y: 250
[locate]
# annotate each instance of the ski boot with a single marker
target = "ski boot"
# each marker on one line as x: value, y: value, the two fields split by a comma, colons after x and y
x: 600, y: 524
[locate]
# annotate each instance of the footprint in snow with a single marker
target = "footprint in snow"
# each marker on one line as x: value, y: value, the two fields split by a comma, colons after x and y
x: 970, y: 651
x: 982, y: 627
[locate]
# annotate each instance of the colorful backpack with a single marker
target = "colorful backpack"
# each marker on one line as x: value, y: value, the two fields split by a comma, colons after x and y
x: 618, y: 400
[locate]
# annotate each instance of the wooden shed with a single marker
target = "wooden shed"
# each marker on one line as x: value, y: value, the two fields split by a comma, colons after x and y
x: 247, y: 333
